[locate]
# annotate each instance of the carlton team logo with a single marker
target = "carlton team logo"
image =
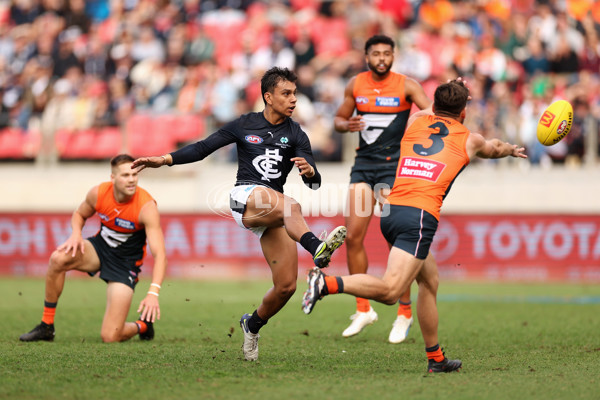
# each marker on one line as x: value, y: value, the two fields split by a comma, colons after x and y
x: 547, y: 119
x: 413, y: 167
x: 253, y: 139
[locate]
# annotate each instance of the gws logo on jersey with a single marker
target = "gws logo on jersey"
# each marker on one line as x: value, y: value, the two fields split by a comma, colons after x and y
x: 387, y: 101
x: 413, y: 167
x: 123, y: 223
x: 113, y: 238
x: 361, y: 100
x: 253, y: 139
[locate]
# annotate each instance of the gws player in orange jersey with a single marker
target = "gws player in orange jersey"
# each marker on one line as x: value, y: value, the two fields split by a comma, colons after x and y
x: 128, y: 217
x: 383, y: 101
x: 434, y: 150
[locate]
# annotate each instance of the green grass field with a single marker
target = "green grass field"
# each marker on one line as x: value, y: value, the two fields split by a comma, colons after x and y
x: 515, y: 341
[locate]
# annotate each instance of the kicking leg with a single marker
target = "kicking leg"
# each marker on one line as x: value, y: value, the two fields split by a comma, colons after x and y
x: 402, y: 269
x: 268, y: 208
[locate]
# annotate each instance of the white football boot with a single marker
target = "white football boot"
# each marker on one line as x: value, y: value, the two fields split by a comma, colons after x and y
x: 250, y: 346
x: 359, y: 321
x: 400, y: 329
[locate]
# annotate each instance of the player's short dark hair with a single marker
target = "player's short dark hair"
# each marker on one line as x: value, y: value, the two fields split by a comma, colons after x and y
x: 272, y: 77
x: 451, y: 97
x: 378, y: 39
x: 121, y: 159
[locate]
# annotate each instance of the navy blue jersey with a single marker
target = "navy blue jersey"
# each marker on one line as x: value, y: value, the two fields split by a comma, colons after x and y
x: 264, y: 150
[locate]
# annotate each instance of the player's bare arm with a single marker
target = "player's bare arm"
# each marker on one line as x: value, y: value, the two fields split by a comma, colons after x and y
x: 494, y: 148
x: 414, y: 92
x: 152, y: 162
x: 344, y: 121
x: 85, y: 210
x: 149, y: 307
x: 304, y: 166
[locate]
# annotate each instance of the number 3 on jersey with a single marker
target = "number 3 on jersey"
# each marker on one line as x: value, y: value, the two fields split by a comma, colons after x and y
x: 440, y: 131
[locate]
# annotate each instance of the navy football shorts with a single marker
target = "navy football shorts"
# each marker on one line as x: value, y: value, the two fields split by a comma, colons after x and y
x: 112, y: 267
x: 408, y: 228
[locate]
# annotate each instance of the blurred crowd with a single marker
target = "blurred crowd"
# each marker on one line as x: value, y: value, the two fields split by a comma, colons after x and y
x: 75, y: 64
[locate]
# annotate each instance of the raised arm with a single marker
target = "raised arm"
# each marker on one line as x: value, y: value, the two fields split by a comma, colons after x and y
x: 85, y: 210
x: 191, y: 153
x: 149, y: 216
x: 343, y: 120
x: 478, y: 146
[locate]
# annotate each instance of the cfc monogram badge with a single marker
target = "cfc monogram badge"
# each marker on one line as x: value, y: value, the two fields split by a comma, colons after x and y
x: 265, y: 164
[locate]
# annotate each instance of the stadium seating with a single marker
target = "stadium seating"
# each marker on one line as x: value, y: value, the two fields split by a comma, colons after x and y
x: 226, y: 43
x: 143, y: 134
x: 109, y: 143
x: 17, y: 144
x: 74, y: 145
x: 88, y: 144
x: 180, y: 128
x: 144, y: 139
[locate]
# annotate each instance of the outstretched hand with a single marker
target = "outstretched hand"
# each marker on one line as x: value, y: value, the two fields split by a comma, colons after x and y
x: 151, y: 162
x: 518, y: 152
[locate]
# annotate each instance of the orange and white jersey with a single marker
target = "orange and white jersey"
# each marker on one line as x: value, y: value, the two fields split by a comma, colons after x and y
x: 385, y: 111
x: 433, y: 153
x: 120, y: 227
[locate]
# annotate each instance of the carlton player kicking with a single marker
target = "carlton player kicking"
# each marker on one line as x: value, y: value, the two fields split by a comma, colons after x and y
x: 269, y: 144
